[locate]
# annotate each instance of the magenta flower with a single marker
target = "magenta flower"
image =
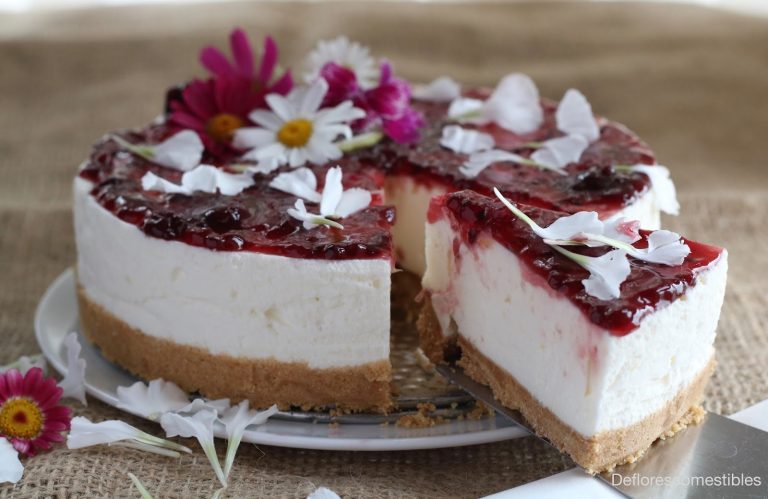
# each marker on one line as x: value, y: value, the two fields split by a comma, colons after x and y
x: 215, y: 108
x: 31, y: 418
x: 388, y: 105
x: 243, y: 65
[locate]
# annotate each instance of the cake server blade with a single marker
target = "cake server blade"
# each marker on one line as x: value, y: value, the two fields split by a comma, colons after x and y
x: 716, y: 458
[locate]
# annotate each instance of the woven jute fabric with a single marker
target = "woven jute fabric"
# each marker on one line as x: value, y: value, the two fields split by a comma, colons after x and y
x: 691, y: 81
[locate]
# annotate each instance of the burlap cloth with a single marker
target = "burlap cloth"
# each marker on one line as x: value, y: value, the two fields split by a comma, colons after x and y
x: 693, y: 82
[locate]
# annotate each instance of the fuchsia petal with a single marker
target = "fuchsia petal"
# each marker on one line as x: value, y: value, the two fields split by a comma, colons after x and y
x: 386, y: 73
x: 216, y: 62
x: 392, y: 100
x: 199, y: 98
x: 241, y: 53
x: 342, y: 83
x: 15, y: 382
x: 405, y: 129
x: 283, y: 85
x: 22, y: 446
x: 268, y: 60
x: 187, y: 120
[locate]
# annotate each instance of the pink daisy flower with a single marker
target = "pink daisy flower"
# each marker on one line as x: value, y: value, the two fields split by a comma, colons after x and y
x: 31, y: 418
x: 243, y: 65
x: 387, y: 105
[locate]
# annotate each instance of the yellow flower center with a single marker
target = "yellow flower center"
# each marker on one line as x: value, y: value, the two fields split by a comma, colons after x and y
x: 295, y: 133
x: 21, y: 418
x: 222, y: 126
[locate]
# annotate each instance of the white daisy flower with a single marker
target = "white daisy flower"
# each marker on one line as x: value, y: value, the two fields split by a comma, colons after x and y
x: 343, y: 52
x: 296, y: 130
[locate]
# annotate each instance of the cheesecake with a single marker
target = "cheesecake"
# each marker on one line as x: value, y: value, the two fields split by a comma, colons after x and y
x: 600, y: 361
x: 241, y: 244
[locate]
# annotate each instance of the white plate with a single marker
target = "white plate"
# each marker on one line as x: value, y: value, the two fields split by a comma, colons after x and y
x: 57, y: 315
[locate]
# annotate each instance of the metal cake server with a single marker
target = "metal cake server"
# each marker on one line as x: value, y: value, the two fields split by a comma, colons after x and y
x: 718, y: 458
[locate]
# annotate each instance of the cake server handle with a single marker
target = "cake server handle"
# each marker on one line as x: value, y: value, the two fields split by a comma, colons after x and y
x: 717, y: 458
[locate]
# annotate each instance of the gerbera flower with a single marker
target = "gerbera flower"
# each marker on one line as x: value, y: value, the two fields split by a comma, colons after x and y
x: 244, y: 67
x: 342, y: 52
x: 31, y: 418
x: 215, y: 108
x: 297, y: 130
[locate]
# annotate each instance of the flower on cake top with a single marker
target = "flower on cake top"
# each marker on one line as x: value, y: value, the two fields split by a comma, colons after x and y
x: 335, y: 202
x: 608, y: 271
x: 31, y: 417
x: 203, y: 178
x: 345, y: 53
x: 513, y: 105
x: 385, y: 98
x: 259, y: 77
x: 663, y: 187
x: 441, y: 89
x: 181, y: 151
x: 297, y: 130
x: 214, y: 108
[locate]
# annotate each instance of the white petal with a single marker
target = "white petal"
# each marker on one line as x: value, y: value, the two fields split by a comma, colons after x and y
x: 442, y: 89
x: 207, y: 178
x: 183, y: 151
x: 84, y: 433
x: 266, y: 119
x: 282, y: 107
x: 151, y: 182
x: 332, y: 192
x: 199, y: 426
x: 202, y: 178
x: 464, y: 106
x: 352, y: 201
x: 560, y: 152
x: 11, y: 469
x: 321, y: 150
x: 479, y: 161
x: 622, y: 229
x: 345, y: 53
x: 514, y: 105
x: 607, y: 272
x: 313, y: 98
x: 24, y: 363
x: 276, y: 152
x: 300, y: 182
x: 250, y: 137
x: 574, y: 116
x: 323, y: 493
x: 235, y: 421
x: 663, y: 187
x: 73, y: 383
x: 345, y: 112
x: 664, y: 247
x: 231, y: 184
x: 152, y: 400
x: 571, y: 226
x: 197, y: 405
x: 464, y: 140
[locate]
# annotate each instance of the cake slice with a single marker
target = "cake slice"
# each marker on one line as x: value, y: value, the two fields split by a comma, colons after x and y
x: 601, y: 377
x: 417, y: 173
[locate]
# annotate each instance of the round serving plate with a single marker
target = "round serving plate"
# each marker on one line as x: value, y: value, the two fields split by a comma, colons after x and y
x: 415, y: 383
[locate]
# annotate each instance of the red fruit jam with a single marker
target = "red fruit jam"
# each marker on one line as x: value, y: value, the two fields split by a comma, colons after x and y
x: 649, y: 285
x: 591, y: 184
x: 254, y: 220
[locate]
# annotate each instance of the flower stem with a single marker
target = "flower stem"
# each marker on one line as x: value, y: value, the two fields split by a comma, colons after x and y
x: 514, y: 209
x: 140, y: 486
x: 232, y: 446
x: 161, y: 442
x: 210, y: 453
x: 360, y: 141
x: 145, y: 447
x: 145, y: 152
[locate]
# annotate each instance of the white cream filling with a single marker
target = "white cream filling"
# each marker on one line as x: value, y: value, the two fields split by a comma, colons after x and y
x: 591, y: 380
x: 242, y: 304
x: 411, y: 201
